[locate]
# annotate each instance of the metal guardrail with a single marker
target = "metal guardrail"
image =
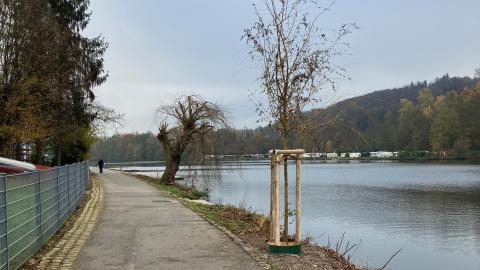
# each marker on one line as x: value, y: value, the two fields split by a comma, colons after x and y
x: 33, y: 206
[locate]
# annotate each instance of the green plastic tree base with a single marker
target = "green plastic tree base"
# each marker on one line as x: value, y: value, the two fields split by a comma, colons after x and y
x: 290, y: 249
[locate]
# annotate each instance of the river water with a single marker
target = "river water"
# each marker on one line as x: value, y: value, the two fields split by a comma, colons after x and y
x: 430, y: 211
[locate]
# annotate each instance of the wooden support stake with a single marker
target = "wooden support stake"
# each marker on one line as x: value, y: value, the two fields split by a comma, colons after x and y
x: 272, y: 189
x: 277, y: 202
x: 286, y: 212
x: 298, y: 203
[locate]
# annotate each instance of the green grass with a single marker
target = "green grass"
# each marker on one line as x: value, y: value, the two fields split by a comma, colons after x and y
x: 183, y: 192
x: 175, y: 190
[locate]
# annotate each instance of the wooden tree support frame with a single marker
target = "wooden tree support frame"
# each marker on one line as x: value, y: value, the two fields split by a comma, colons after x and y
x: 274, y: 243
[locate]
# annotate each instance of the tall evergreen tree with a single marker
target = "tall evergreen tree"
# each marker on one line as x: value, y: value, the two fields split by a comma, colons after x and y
x: 49, y: 71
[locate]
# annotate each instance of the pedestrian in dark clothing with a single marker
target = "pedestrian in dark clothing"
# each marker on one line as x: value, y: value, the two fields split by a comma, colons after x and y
x: 100, y: 165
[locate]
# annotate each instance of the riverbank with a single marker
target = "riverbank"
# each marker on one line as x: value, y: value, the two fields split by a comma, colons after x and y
x: 252, y: 229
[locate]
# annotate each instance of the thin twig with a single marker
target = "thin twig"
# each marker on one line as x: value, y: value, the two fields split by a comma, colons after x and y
x: 347, y: 250
x: 339, y: 244
x: 385, y: 265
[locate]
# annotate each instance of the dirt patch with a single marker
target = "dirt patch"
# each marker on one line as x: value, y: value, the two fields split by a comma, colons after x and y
x: 34, y: 261
x: 312, y: 257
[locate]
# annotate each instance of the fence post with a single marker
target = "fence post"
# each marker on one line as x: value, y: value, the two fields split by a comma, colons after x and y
x: 78, y: 184
x: 68, y: 190
x: 75, y: 191
x: 79, y: 187
x: 58, y: 199
x: 4, y: 226
x: 87, y: 176
x: 38, y: 201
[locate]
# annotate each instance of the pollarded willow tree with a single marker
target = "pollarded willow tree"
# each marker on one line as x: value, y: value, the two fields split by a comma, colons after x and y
x: 193, y: 118
x: 295, y: 54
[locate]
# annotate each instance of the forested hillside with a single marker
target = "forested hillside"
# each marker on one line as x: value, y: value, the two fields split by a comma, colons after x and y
x: 371, y: 122
x: 440, y: 116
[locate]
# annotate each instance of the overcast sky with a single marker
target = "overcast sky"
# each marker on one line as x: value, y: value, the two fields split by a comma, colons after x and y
x: 159, y: 49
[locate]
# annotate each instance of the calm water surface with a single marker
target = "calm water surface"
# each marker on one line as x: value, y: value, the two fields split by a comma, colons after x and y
x: 430, y: 211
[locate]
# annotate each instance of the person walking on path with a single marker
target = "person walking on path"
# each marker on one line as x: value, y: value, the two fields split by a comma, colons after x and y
x: 100, y: 165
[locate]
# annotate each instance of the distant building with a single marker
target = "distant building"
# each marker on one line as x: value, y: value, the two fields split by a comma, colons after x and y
x: 308, y: 155
x: 314, y: 155
x: 381, y: 154
x: 332, y: 155
x: 355, y: 155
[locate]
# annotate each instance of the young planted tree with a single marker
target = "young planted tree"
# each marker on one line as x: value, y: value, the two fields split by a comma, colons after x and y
x: 193, y: 118
x: 295, y: 55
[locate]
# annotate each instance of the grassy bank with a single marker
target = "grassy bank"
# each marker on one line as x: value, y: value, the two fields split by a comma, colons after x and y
x: 175, y: 190
x: 252, y: 229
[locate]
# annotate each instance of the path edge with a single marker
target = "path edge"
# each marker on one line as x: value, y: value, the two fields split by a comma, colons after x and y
x: 244, y: 245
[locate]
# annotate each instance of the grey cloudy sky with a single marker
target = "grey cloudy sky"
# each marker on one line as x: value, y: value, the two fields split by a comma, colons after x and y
x: 159, y: 49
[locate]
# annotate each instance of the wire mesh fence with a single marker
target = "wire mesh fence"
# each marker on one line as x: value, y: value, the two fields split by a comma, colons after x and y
x: 33, y: 206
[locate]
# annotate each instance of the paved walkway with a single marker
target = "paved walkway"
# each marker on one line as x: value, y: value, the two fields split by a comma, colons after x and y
x: 143, y: 228
x: 66, y: 251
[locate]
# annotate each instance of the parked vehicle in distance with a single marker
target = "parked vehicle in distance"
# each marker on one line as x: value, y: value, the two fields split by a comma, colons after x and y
x: 14, y: 166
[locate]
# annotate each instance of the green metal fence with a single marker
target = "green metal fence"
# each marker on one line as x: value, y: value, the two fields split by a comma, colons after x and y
x: 33, y: 206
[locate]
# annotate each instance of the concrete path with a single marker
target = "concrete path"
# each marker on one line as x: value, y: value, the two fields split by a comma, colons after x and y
x: 143, y: 228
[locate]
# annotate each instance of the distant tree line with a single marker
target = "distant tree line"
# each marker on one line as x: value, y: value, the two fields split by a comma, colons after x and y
x: 128, y: 147
x: 146, y: 147
x: 446, y: 124
x: 48, y: 71
x: 441, y: 116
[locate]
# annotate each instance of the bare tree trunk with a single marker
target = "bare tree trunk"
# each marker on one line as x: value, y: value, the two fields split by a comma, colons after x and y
x: 18, y: 150
x: 3, y: 143
x: 173, y: 155
x: 59, y: 156
x: 171, y: 168
x: 285, y: 176
x: 37, y: 159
